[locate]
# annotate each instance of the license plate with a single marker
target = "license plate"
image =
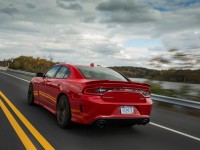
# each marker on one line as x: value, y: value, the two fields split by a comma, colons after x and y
x: 127, y: 110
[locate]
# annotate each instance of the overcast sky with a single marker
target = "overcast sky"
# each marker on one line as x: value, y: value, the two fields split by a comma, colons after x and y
x: 106, y: 32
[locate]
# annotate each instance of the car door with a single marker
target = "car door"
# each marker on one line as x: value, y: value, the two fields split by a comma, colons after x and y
x: 45, y: 98
x: 53, y: 85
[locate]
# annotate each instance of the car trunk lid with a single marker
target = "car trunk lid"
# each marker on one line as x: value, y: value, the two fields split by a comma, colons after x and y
x: 118, y: 91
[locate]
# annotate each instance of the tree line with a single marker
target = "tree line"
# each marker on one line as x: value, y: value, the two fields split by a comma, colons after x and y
x: 173, y: 75
x: 31, y: 64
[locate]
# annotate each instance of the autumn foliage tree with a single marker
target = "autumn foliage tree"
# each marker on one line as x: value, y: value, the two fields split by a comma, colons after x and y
x: 30, y: 64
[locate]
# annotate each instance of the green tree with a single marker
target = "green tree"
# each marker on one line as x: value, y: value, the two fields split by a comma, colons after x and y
x: 16, y: 65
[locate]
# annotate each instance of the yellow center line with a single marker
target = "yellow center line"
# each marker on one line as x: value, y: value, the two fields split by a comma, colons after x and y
x: 21, y: 134
x: 45, y: 144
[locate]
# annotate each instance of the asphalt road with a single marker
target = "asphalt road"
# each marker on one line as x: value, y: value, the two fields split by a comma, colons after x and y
x: 167, y: 131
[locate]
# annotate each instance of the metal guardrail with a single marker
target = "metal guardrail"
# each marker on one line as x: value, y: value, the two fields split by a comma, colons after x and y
x: 177, y: 101
x: 155, y: 97
x: 22, y: 72
x: 3, y: 68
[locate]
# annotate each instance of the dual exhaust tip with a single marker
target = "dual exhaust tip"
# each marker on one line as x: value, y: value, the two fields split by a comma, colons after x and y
x: 101, y: 123
x: 145, y: 121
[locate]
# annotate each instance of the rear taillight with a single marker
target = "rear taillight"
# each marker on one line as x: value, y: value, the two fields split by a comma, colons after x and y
x: 95, y: 91
x: 144, y: 93
x: 101, y: 91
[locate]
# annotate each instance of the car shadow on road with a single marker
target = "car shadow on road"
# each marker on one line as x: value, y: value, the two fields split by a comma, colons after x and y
x: 86, y: 130
x: 92, y: 130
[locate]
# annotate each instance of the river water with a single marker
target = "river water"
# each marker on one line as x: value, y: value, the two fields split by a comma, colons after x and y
x: 169, y: 85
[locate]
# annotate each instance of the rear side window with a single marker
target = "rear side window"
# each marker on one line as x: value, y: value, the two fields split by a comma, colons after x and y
x: 51, y: 73
x: 100, y: 73
x: 63, y: 72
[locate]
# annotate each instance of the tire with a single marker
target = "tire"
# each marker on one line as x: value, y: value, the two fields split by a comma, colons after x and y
x: 63, y: 112
x: 30, y: 96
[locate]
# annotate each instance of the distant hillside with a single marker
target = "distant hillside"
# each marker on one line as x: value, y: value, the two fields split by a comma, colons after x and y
x: 31, y: 64
x: 187, y: 76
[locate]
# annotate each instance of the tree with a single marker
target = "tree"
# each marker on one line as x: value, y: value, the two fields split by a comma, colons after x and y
x: 176, y: 59
x: 16, y: 65
x: 30, y: 64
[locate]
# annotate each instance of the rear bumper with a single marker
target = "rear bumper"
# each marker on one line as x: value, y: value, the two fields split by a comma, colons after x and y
x: 90, y: 109
x: 124, y: 121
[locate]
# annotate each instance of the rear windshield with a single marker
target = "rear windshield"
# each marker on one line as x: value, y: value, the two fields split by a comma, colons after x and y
x: 100, y: 73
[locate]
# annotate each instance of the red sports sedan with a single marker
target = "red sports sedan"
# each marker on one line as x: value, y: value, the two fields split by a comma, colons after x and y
x: 90, y: 95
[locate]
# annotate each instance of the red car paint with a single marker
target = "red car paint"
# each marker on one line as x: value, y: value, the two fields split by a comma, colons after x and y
x: 88, y: 105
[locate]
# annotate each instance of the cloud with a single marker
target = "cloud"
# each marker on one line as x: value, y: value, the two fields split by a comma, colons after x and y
x: 183, y: 41
x: 71, y: 6
x: 31, y: 6
x: 139, y: 16
x: 109, y: 32
x: 117, y: 5
x: 173, y: 5
x: 9, y: 10
x: 126, y: 11
x: 63, y: 51
x: 89, y: 19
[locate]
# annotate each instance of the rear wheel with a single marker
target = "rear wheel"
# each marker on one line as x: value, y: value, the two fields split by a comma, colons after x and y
x: 30, y: 97
x: 63, y: 112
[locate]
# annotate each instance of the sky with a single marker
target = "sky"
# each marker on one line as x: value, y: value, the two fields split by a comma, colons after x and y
x: 104, y: 32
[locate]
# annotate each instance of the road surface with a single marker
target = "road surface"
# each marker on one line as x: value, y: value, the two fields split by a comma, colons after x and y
x: 167, y: 130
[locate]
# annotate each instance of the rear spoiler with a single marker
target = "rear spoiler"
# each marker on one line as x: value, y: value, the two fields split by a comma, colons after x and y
x: 106, y: 82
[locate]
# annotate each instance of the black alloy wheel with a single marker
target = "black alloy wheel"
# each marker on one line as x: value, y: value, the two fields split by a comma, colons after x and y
x: 30, y: 97
x: 63, y: 112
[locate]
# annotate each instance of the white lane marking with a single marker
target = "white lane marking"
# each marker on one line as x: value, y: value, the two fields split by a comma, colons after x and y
x: 175, y: 131
x: 154, y: 124
x: 15, y: 77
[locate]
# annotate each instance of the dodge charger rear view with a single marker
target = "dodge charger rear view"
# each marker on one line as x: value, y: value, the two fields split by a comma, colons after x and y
x: 90, y: 95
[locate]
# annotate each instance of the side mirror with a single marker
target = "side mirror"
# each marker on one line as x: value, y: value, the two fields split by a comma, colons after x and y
x: 39, y: 74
